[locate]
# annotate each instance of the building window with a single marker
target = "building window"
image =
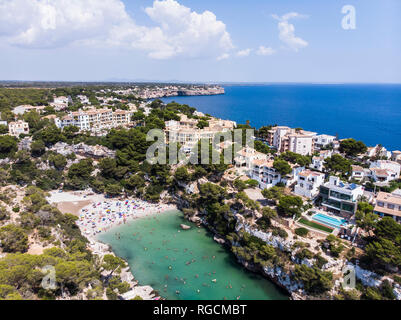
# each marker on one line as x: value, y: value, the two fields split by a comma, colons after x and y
x: 380, y: 204
x: 390, y: 206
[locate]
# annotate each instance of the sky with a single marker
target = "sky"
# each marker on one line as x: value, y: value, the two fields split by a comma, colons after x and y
x: 309, y: 41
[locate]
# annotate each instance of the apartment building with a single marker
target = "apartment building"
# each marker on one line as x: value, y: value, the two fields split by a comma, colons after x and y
x: 388, y: 204
x: 186, y: 132
x: 308, y: 183
x: 96, y: 119
x: 287, y: 139
x: 18, y: 127
x: 340, y: 197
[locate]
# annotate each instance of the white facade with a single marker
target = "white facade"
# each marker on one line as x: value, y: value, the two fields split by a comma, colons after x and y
x: 396, y: 155
x: 301, y: 143
x: 96, y: 119
x: 340, y: 197
x: 358, y: 173
x: 378, y: 151
x: 83, y: 99
x: 264, y: 172
x: 186, y: 132
x: 308, y: 183
x: 17, y: 128
x: 61, y: 100
x: 286, y: 139
x: 318, y: 161
x: 246, y: 158
x: 20, y: 110
x: 323, y: 140
x: 385, y: 170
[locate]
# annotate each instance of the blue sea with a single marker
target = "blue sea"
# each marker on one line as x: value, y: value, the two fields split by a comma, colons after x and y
x: 370, y: 113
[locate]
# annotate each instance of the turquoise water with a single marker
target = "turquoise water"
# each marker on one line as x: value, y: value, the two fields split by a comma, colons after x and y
x: 329, y: 221
x: 170, y: 259
x: 371, y: 113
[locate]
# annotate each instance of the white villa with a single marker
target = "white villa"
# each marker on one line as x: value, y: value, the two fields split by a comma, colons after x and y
x: 308, y: 183
x: 318, y: 161
x: 385, y: 170
x: 388, y: 204
x: 378, y: 151
x: 359, y: 173
x: 340, y: 197
x: 323, y: 140
x: 83, y: 99
x: 17, y: 128
x: 264, y: 172
x: 27, y: 108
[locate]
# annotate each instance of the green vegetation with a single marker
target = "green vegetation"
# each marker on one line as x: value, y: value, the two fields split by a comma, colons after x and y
x: 296, y: 158
x: 314, y: 280
x: 352, y: 148
x: 338, y: 165
x: 302, y: 232
x: 282, y: 167
x: 383, y: 251
x: 334, y: 245
x: 255, y: 250
x: 290, y: 206
x: 13, y: 239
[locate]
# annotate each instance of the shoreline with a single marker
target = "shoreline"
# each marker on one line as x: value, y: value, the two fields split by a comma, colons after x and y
x: 104, y: 216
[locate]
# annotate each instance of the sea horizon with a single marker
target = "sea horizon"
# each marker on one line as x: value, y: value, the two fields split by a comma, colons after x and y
x: 314, y: 107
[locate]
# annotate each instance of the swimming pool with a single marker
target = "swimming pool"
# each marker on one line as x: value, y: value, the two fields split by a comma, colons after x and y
x: 329, y: 221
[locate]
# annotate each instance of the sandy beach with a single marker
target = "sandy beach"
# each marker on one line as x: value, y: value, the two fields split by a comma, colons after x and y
x: 102, y: 216
x: 99, y: 214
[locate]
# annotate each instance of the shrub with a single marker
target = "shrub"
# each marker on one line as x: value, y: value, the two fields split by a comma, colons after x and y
x: 13, y: 239
x: 302, y: 232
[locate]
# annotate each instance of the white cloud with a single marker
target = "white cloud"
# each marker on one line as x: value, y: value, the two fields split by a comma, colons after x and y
x: 49, y: 24
x: 287, y: 31
x: 244, y: 53
x: 224, y: 56
x: 265, y: 51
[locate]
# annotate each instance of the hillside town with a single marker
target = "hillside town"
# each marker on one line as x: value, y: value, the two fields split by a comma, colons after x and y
x: 311, y: 202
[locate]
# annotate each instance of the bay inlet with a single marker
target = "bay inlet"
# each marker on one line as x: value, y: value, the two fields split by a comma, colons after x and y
x: 185, y: 264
